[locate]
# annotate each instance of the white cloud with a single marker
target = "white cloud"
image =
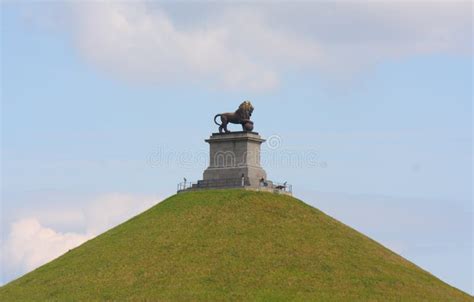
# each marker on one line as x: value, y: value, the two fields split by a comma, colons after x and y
x: 140, y: 44
x: 32, y: 242
x: 250, y: 46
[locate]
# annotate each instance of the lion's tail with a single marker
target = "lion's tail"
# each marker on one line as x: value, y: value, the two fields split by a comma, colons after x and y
x: 215, y: 119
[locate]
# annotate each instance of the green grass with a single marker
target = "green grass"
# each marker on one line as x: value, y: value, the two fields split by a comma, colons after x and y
x: 230, y: 245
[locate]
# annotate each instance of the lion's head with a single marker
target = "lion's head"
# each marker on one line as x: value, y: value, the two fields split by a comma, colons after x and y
x: 246, y: 109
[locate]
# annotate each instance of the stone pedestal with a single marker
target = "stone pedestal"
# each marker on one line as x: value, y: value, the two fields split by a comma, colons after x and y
x: 234, y: 162
x: 231, y: 156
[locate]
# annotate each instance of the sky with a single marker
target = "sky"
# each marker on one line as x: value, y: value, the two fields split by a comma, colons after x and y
x: 367, y: 108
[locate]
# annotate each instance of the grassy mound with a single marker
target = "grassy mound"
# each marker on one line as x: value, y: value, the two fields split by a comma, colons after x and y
x: 230, y: 245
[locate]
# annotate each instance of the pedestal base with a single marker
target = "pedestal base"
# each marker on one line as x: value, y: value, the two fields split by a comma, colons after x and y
x: 233, y: 156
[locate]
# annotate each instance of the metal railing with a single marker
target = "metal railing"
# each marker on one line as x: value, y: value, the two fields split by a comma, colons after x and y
x: 184, y: 185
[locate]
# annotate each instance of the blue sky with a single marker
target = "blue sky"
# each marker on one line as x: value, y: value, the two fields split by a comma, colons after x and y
x: 96, y: 95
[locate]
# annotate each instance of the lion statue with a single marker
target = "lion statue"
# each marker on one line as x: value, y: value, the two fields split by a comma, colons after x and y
x: 240, y: 116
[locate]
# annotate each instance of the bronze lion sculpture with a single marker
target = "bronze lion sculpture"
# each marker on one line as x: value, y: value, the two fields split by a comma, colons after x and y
x: 240, y: 116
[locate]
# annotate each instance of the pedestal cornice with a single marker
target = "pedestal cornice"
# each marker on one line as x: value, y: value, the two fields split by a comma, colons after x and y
x: 235, y: 136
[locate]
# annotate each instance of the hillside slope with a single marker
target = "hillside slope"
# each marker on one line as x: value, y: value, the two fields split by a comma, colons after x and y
x: 231, y: 245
